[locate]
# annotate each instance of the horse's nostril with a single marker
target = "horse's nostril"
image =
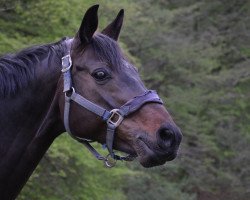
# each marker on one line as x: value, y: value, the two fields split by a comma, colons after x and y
x: 166, y: 134
x: 168, y: 137
x: 165, y: 137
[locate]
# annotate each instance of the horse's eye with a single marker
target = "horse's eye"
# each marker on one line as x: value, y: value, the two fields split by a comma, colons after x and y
x: 100, y: 75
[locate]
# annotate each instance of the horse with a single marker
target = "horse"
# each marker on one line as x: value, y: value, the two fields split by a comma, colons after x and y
x: 86, y: 86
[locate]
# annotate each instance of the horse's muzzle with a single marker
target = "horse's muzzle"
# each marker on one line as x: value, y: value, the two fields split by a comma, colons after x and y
x: 165, y: 148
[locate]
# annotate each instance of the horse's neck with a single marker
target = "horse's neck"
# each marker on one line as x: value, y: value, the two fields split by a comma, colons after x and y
x: 29, y: 124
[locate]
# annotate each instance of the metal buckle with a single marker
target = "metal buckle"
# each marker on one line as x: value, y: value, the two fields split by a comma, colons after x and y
x: 116, y: 118
x: 66, y: 63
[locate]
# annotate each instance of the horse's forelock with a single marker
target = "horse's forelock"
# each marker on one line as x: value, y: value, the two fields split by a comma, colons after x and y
x: 107, y: 50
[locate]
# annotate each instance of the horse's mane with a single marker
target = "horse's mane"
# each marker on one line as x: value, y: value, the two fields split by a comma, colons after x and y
x: 16, y: 70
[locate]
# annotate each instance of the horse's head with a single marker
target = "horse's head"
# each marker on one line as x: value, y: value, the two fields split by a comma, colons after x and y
x: 102, y: 75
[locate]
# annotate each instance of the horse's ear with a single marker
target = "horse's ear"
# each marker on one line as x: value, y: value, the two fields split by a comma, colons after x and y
x: 89, y: 25
x: 113, y: 29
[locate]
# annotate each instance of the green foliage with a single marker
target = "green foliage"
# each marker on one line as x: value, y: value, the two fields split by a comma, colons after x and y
x: 204, y: 71
x: 68, y: 171
x: 197, y: 55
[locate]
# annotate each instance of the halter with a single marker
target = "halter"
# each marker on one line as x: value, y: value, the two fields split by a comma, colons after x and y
x: 112, y: 118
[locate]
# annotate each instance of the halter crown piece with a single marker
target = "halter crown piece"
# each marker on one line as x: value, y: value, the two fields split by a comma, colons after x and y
x: 112, y: 118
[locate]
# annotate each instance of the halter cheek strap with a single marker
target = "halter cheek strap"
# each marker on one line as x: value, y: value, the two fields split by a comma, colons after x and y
x: 112, y: 118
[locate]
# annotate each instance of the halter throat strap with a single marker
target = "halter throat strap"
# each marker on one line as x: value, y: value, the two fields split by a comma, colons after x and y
x: 112, y: 118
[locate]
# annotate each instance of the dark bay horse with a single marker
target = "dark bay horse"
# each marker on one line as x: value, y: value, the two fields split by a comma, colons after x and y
x: 85, y: 86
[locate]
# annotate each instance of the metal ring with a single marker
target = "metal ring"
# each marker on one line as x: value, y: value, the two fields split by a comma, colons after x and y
x: 71, y: 91
x: 108, y: 161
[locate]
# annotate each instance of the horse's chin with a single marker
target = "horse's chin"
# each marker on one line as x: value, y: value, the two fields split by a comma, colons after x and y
x: 150, y: 158
x: 145, y: 153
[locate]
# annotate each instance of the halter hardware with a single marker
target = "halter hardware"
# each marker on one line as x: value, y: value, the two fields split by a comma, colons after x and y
x: 112, y: 118
x: 115, y: 119
x: 66, y: 63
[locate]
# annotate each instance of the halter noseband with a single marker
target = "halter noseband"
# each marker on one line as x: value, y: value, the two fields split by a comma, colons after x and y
x: 112, y: 118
